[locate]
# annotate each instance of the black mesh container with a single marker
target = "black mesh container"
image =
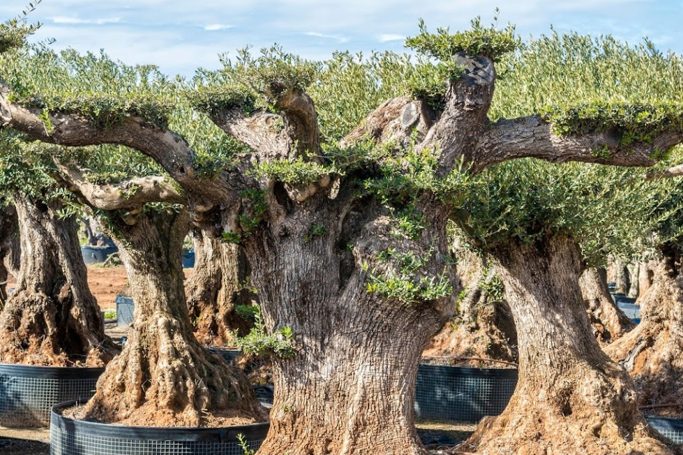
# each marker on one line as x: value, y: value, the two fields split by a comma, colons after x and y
x: 97, y: 254
x: 229, y: 355
x: 27, y: 393
x: 671, y: 429
x: 453, y: 394
x: 79, y: 437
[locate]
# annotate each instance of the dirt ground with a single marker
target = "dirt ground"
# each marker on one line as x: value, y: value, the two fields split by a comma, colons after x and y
x: 105, y: 284
x: 24, y: 442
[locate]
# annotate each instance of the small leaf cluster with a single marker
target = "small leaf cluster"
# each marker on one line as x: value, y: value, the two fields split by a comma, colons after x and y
x: 408, y: 283
x: 634, y: 122
x: 261, y: 343
x: 477, y: 41
x: 296, y: 172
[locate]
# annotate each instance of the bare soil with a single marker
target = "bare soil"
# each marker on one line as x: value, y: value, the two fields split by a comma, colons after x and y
x: 105, y: 284
x: 213, y: 420
x: 24, y: 442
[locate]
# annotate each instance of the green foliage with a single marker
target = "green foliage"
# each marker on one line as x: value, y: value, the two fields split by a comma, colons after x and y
x: 408, y: 282
x: 261, y: 343
x: 244, y: 445
x: 404, y: 176
x: 109, y: 315
x: 254, y: 209
x: 634, y: 122
x: 248, y: 312
x: 430, y: 82
x: 477, y: 41
x: 251, y: 82
x: 314, y: 231
x: 607, y: 210
x: 218, y: 100
x: 93, y: 85
x: 13, y: 34
x: 581, y: 82
x: 297, y: 172
x: 350, y: 86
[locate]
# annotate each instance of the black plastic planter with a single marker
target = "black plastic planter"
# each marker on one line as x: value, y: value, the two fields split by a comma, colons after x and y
x: 27, y: 393
x: 453, y: 394
x: 229, y: 355
x: 97, y: 254
x: 671, y: 429
x: 124, y: 310
x: 80, y: 437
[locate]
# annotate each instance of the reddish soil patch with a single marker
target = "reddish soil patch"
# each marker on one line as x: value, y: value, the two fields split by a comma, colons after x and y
x: 217, y: 420
x: 105, y: 283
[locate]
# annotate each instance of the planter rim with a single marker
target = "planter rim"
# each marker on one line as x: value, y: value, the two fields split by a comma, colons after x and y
x: 40, y: 371
x: 471, y: 371
x: 112, y: 430
x: 653, y: 417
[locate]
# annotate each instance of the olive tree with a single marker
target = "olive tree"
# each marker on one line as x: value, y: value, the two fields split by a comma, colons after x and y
x: 346, y: 240
x: 51, y: 318
x: 652, y: 352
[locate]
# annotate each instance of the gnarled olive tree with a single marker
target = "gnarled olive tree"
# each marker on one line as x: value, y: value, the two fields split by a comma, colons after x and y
x: 347, y: 241
x: 163, y: 376
x: 51, y: 318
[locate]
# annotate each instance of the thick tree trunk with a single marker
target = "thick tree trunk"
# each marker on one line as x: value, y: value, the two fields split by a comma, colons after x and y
x: 51, y: 318
x: 621, y: 277
x: 570, y: 397
x: 349, y: 387
x: 634, y: 282
x: 646, y: 276
x: 607, y: 320
x: 215, y: 288
x: 10, y: 249
x: 483, y: 331
x: 653, y: 352
x: 164, y: 376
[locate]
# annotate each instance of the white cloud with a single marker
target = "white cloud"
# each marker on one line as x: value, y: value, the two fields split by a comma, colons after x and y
x: 337, y: 38
x: 388, y: 37
x: 217, y: 27
x: 79, y: 21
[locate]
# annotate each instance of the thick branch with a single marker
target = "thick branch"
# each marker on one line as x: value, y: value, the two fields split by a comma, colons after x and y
x: 533, y: 137
x: 167, y: 148
x: 262, y: 132
x: 301, y: 121
x: 674, y: 171
x: 131, y: 194
x: 464, y: 118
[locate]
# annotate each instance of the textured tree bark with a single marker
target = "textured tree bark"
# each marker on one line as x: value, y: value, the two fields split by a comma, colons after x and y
x: 621, y: 277
x: 9, y: 249
x: 653, y: 352
x: 484, y: 328
x: 646, y: 276
x: 634, y: 282
x: 349, y: 388
x: 215, y: 288
x: 607, y: 320
x: 164, y: 376
x: 570, y: 397
x: 51, y: 318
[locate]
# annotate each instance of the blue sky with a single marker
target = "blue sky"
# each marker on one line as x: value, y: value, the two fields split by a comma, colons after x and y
x: 181, y: 35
